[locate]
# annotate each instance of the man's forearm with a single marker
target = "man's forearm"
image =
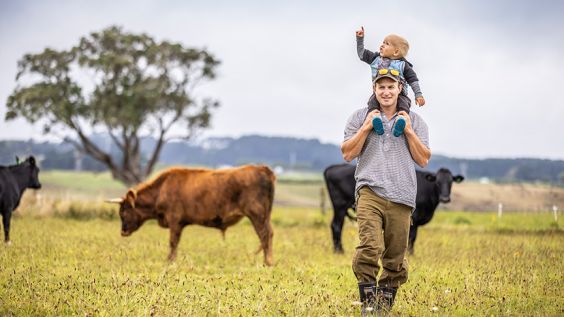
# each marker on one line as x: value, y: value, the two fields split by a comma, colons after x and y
x: 419, y: 152
x: 353, y: 146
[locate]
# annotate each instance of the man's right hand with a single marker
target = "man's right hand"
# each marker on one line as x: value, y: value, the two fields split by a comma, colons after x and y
x: 367, y: 125
x: 360, y: 33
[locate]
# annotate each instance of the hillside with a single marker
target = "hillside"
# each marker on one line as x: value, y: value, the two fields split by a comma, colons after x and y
x: 288, y: 153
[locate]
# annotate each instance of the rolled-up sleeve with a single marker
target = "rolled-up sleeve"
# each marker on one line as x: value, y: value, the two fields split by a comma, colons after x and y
x: 421, y: 129
x: 353, y: 125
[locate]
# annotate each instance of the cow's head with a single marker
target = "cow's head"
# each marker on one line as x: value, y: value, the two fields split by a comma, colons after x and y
x: 131, y: 218
x: 33, y: 181
x: 443, y: 182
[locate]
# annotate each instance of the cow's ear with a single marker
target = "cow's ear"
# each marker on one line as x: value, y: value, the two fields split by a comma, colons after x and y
x: 458, y: 178
x: 430, y: 177
x: 17, y: 160
x: 130, y: 197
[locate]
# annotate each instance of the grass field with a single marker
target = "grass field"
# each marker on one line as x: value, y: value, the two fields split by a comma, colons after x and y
x: 465, y: 264
x: 68, y: 259
x: 303, y: 190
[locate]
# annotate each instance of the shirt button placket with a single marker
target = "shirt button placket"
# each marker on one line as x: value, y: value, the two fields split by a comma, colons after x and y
x: 386, y: 136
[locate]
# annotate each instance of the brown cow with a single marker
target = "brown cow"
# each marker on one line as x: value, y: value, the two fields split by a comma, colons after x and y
x: 178, y: 197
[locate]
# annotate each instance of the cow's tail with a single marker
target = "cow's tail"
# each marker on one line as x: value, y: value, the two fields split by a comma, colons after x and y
x: 268, y: 180
x: 269, y: 188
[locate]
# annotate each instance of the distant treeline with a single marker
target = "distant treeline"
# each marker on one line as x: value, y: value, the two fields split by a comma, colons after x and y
x: 288, y: 153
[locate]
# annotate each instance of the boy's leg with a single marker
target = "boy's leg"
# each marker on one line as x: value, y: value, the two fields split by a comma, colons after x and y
x: 373, y: 103
x: 377, y: 123
x: 404, y: 103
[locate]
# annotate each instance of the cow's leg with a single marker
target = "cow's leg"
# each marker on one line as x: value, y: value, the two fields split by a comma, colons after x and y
x: 264, y: 231
x: 337, y: 229
x: 6, y: 222
x: 412, y: 236
x: 175, y: 232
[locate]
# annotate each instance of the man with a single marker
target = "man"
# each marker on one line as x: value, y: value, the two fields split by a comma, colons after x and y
x: 386, y: 187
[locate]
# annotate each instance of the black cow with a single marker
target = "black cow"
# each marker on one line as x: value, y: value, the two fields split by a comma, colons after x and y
x: 14, y: 180
x: 431, y: 189
x: 340, y: 185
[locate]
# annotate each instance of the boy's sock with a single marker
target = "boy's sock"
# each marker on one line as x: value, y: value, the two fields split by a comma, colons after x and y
x: 398, y: 127
x: 378, y: 125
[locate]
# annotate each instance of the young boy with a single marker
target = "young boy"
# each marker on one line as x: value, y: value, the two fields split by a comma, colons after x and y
x: 390, y: 58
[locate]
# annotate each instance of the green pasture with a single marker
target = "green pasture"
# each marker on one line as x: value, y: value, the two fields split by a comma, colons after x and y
x: 68, y: 259
x: 465, y: 264
x: 295, y: 189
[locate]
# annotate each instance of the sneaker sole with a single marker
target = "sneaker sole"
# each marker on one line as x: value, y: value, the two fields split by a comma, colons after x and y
x: 399, y: 126
x: 378, y: 125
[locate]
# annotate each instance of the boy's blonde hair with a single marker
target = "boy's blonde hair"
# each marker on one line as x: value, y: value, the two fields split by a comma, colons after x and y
x: 400, y: 43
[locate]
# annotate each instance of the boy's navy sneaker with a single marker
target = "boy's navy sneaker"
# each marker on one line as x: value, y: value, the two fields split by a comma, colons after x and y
x: 399, y: 126
x: 378, y: 125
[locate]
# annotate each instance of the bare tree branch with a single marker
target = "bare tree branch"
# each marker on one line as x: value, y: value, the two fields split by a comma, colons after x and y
x: 157, y: 150
x: 114, y: 138
x: 92, y: 149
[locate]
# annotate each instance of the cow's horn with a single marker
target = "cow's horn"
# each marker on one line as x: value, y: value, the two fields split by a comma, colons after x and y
x: 114, y: 200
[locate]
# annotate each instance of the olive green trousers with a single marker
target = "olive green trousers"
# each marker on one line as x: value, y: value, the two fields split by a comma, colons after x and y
x: 383, y: 230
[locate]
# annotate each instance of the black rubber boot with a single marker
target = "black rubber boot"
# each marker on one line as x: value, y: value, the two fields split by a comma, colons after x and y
x: 367, y: 292
x: 386, y: 297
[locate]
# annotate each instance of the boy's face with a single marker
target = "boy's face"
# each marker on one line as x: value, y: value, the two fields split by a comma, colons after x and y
x: 387, y: 49
x: 387, y: 91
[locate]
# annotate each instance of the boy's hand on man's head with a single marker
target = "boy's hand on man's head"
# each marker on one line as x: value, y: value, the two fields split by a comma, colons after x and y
x: 420, y: 101
x: 360, y: 33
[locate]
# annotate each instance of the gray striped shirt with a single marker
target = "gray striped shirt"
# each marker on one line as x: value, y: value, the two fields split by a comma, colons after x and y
x: 385, y: 163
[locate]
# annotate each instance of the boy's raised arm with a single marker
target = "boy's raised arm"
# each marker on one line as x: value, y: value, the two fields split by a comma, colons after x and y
x: 364, y: 54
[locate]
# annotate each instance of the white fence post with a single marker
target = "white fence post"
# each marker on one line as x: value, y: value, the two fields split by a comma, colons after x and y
x: 555, y: 211
x: 499, y: 210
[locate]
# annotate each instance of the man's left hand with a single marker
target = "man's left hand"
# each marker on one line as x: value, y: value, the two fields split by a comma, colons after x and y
x: 404, y: 115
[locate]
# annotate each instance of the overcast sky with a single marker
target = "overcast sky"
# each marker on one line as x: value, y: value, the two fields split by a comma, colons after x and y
x: 490, y: 71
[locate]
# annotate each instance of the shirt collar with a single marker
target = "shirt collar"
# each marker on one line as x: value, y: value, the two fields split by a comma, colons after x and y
x: 386, y: 118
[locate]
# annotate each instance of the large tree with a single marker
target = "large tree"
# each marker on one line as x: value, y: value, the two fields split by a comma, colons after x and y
x: 127, y: 85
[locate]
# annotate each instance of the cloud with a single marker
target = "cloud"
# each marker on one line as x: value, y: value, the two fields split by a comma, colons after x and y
x: 291, y: 68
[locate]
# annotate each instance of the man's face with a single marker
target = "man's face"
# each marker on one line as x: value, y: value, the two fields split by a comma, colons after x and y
x: 387, y: 91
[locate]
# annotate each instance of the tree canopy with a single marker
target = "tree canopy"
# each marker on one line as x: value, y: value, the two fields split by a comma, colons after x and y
x: 127, y: 85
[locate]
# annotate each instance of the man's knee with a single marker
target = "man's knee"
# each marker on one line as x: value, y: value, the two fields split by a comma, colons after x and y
x: 365, y: 264
x: 395, y: 265
x: 369, y: 253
